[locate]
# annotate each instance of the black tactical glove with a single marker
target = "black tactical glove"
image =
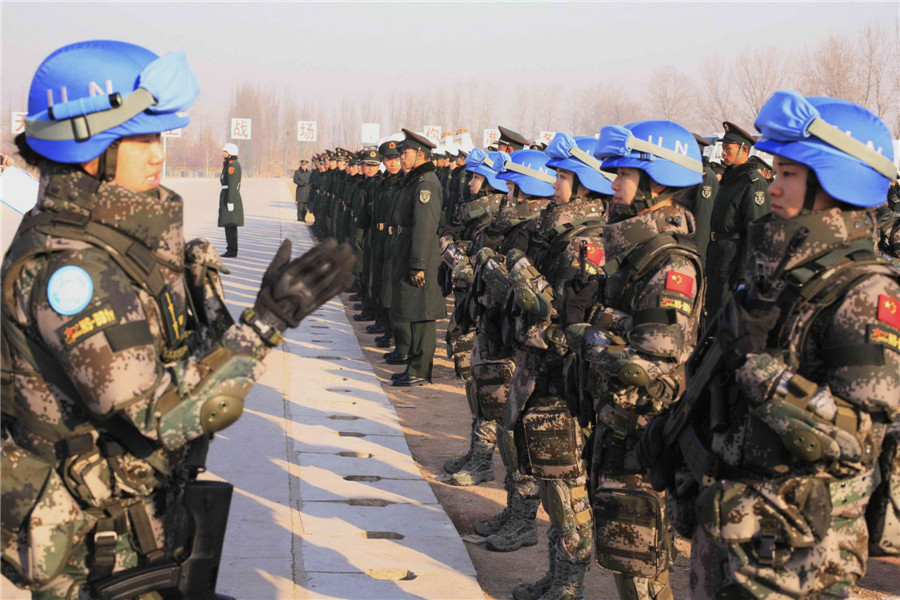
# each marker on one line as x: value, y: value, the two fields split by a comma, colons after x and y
x: 745, y: 324
x: 292, y: 289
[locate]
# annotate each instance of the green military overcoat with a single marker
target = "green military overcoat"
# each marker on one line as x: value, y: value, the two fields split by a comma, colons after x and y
x: 231, y: 208
x: 417, y: 247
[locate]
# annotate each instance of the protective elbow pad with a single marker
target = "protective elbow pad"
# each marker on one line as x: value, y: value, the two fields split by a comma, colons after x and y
x: 213, y: 405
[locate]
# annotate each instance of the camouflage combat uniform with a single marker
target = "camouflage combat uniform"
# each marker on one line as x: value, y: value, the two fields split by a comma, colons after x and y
x: 781, y: 510
x: 549, y: 441
x: 104, y: 404
x: 493, y: 364
x: 643, y: 328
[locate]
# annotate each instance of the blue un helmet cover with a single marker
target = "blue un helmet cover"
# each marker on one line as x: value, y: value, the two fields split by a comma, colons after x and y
x: 481, y: 162
x: 666, y: 151
x: 527, y: 169
x: 849, y: 148
x: 86, y: 95
x: 577, y: 155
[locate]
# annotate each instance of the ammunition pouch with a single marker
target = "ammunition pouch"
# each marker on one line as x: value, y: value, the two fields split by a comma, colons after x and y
x: 767, y: 518
x: 553, y: 440
x: 631, y: 531
x: 492, y: 381
x: 41, y: 522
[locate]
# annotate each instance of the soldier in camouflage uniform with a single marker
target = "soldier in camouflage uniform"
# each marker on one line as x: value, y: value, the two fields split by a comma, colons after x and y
x: 637, y: 332
x: 493, y: 356
x: 565, y: 248
x: 805, y: 364
x: 120, y: 358
x: 889, y: 225
x: 488, y: 194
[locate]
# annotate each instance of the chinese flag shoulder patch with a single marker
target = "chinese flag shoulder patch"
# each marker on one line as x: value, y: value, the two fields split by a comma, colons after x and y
x: 595, y: 254
x: 889, y: 310
x: 679, y: 282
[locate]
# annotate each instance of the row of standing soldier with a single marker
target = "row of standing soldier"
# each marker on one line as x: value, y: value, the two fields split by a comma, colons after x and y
x: 579, y: 298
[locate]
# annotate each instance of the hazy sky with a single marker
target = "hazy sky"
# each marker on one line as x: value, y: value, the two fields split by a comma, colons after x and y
x: 326, y: 50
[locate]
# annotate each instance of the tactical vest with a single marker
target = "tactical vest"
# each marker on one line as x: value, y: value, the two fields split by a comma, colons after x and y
x: 629, y: 267
x: 811, y: 289
x: 144, y: 270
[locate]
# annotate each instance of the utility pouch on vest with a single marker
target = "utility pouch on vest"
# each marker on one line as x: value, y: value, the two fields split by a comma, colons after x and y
x: 492, y: 386
x: 41, y: 522
x: 552, y: 439
x: 768, y: 518
x: 631, y: 532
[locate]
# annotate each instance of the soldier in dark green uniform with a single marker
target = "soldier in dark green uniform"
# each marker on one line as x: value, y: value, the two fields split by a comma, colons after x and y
x: 301, y: 180
x: 742, y: 197
x: 704, y: 200
x: 381, y: 208
x: 231, y: 208
x: 510, y: 140
x: 417, y: 295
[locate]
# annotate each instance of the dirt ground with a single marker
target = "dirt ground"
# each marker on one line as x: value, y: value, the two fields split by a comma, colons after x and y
x: 436, y: 422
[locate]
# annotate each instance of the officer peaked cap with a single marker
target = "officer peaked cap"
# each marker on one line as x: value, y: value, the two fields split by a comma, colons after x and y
x: 512, y: 138
x: 702, y: 141
x: 736, y: 135
x: 389, y: 149
x: 417, y: 141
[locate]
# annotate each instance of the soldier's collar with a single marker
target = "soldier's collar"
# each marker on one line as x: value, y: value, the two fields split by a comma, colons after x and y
x: 768, y: 236
x: 624, y: 235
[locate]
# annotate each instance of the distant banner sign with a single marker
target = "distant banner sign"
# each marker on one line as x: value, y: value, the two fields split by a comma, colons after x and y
x: 491, y: 136
x: 546, y: 136
x: 240, y: 129
x: 173, y: 133
x: 370, y: 133
x: 432, y: 132
x: 18, y: 122
x: 306, y: 131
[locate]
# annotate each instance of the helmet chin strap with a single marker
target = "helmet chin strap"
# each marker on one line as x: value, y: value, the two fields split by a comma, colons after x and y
x: 809, y: 198
x: 106, y: 168
x: 643, y: 199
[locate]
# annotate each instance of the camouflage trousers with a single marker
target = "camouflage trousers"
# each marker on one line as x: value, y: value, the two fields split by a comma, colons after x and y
x: 796, y: 537
x: 632, y: 535
x: 566, y: 502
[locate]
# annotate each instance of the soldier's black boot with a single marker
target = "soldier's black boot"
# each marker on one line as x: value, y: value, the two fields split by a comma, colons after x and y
x: 521, y: 527
x: 488, y: 527
x: 533, y: 591
x: 568, y: 581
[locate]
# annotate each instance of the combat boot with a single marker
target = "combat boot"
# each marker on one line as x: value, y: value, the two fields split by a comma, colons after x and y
x: 479, y: 468
x: 453, y: 465
x: 520, y: 529
x: 488, y: 527
x: 533, y: 591
x: 568, y: 581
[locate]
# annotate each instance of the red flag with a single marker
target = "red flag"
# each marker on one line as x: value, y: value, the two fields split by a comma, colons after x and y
x: 889, y: 310
x: 595, y: 254
x: 679, y: 282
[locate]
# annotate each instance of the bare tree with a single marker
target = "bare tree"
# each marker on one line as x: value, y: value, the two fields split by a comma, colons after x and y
x: 757, y: 74
x: 716, y: 99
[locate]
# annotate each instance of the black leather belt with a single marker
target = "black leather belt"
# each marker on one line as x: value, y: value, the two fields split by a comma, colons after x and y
x: 724, y: 236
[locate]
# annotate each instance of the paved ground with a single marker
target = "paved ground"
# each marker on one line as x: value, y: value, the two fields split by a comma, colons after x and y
x: 329, y: 503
